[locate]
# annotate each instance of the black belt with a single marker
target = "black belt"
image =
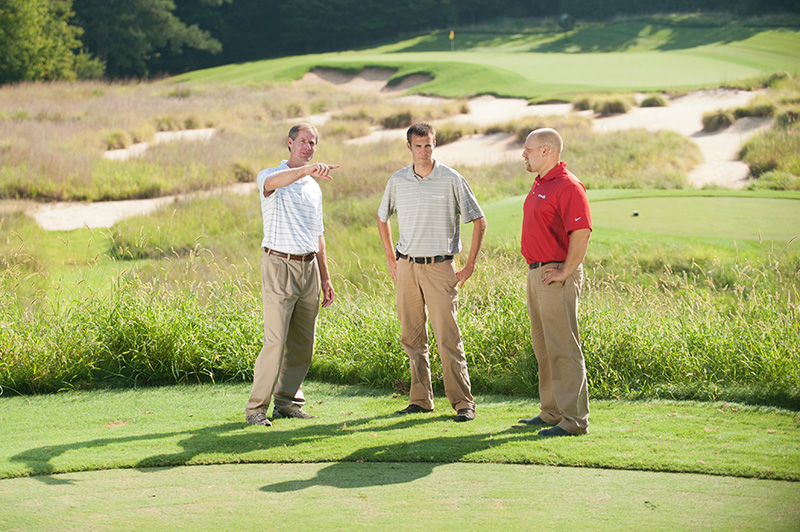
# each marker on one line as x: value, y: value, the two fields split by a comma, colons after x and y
x: 423, y: 260
x: 535, y: 265
x: 305, y: 258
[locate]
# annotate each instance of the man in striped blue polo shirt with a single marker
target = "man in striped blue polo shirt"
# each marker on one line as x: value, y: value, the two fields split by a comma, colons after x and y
x: 294, y: 271
x: 431, y: 201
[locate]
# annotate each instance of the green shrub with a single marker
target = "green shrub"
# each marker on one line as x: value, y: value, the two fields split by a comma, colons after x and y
x: 775, y: 149
x: 775, y: 180
x: 604, y: 105
x: 180, y: 93
x: 789, y: 116
x: 402, y: 119
x: 716, y: 120
x: 21, y: 114
x: 117, y: 140
x: 757, y: 109
x: 584, y: 103
x: 167, y: 123
x: 654, y: 100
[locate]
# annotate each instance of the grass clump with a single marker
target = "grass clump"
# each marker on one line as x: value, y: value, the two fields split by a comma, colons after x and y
x: 714, y: 329
x: 117, y: 140
x: 654, y: 100
x: 604, y: 105
x: 774, y: 150
x: 716, y: 120
x: 777, y: 149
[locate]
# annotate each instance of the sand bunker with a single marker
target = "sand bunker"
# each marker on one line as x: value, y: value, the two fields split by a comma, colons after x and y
x: 136, y: 150
x: 368, y: 80
x: 68, y: 215
x: 683, y: 115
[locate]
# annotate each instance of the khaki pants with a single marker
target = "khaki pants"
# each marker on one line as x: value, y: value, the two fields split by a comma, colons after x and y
x: 553, y: 311
x: 424, y: 289
x: 290, y: 298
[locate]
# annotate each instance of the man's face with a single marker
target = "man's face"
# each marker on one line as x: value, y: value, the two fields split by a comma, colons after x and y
x: 422, y: 148
x: 533, y: 153
x: 302, y: 149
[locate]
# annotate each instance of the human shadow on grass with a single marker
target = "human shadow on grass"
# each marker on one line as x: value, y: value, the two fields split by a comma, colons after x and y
x: 402, y: 462
x: 234, y: 439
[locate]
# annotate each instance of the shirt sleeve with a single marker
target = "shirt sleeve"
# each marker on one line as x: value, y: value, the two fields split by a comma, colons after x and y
x: 468, y: 203
x: 578, y: 215
x: 261, y: 177
x: 387, y: 206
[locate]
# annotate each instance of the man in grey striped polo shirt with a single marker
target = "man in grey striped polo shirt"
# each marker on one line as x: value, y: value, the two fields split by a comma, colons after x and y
x: 431, y: 201
x: 294, y: 270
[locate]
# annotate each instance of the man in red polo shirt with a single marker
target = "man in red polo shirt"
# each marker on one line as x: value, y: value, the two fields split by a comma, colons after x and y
x: 556, y: 226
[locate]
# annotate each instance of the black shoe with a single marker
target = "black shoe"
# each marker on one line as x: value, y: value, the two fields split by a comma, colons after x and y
x: 555, y: 431
x: 535, y: 421
x: 413, y: 409
x: 258, y: 419
x: 465, y: 414
x: 297, y: 414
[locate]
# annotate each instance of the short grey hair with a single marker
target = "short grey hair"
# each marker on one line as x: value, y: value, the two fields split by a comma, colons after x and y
x: 296, y: 129
x: 548, y: 137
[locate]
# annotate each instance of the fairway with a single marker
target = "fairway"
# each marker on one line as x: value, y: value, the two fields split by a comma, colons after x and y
x: 180, y: 457
x: 378, y: 496
x: 522, y: 70
x: 127, y: 349
x: 738, y: 218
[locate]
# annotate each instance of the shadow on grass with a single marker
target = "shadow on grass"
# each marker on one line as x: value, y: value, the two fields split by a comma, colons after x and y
x: 236, y: 440
x: 595, y: 39
x: 413, y: 467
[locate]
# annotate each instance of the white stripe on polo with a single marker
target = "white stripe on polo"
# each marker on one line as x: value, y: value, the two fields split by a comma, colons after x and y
x: 292, y: 215
x: 429, y: 210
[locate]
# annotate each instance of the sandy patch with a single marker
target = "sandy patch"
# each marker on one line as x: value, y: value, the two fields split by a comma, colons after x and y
x: 67, y: 215
x: 488, y: 110
x: 138, y: 149
x: 368, y: 80
x: 683, y: 115
x: 477, y: 150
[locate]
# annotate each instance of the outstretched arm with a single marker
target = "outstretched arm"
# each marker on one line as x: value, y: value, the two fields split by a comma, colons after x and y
x: 283, y: 178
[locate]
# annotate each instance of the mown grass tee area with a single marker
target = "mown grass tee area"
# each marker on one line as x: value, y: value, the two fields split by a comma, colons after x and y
x: 696, y: 298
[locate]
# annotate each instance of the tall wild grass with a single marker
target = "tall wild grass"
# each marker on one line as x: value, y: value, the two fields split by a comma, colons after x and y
x: 722, y: 329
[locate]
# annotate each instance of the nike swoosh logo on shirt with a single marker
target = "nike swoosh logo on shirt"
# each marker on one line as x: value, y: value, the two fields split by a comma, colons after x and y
x: 578, y: 218
x: 542, y: 196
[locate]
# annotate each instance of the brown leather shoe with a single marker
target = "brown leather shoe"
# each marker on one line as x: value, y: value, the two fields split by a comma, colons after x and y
x: 465, y: 414
x: 535, y: 421
x: 413, y: 409
x: 297, y: 414
x: 258, y: 419
x: 555, y: 431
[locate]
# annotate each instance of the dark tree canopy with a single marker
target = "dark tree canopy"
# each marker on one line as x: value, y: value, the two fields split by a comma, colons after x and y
x: 62, y: 39
x: 128, y: 35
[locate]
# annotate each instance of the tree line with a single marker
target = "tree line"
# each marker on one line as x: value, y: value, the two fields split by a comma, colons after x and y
x: 78, y: 39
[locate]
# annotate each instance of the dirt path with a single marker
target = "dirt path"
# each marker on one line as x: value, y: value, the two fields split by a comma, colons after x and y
x: 683, y: 115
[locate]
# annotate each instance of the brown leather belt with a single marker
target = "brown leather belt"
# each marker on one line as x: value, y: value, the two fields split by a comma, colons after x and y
x: 423, y: 260
x: 535, y: 265
x: 305, y: 258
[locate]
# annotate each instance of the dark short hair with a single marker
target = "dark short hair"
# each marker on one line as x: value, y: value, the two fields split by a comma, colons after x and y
x: 420, y: 129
